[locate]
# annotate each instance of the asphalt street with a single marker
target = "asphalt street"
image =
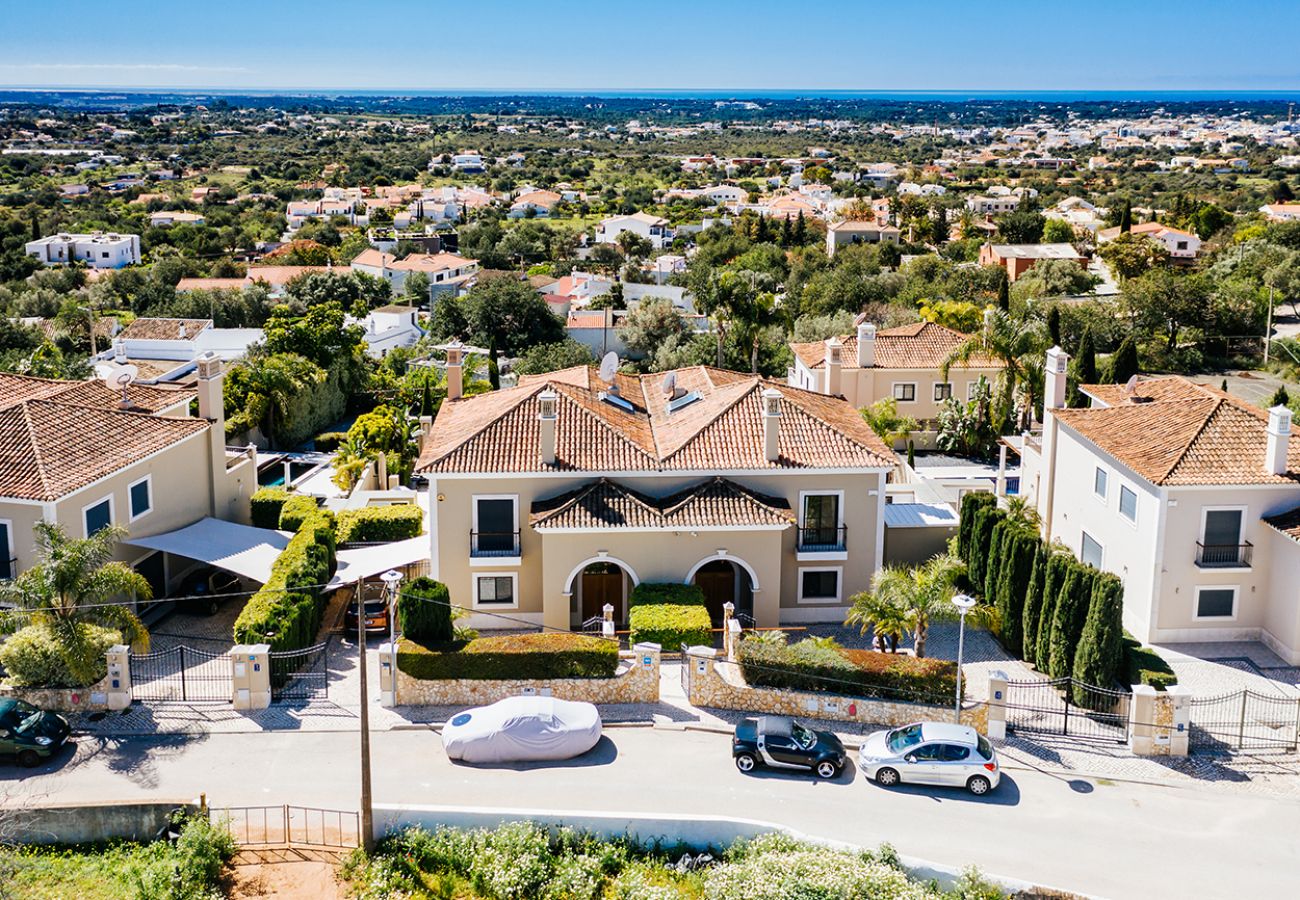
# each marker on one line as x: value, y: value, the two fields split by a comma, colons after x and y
x: 1116, y: 840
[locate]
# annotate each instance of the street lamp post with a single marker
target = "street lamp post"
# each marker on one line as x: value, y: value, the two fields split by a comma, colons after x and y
x: 391, y: 579
x: 964, y: 603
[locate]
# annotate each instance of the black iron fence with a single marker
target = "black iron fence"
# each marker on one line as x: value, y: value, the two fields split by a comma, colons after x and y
x: 1224, y: 556
x: 817, y: 539
x: 1244, y: 720
x: 181, y: 675
x: 300, y: 674
x: 493, y: 543
x: 1067, y: 707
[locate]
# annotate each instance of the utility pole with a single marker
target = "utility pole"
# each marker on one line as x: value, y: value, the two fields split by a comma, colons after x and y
x: 1268, y: 332
x: 367, y: 801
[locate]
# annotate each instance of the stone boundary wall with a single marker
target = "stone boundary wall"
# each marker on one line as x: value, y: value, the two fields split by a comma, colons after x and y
x: 714, y: 682
x: 86, y: 699
x: 637, y: 681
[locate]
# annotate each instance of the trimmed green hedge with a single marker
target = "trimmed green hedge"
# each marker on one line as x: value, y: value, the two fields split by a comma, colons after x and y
x: 266, y: 503
x: 424, y: 611
x: 651, y: 592
x: 286, y: 612
x: 670, y: 625
x: 547, y: 655
x: 296, y: 510
x: 810, y: 666
x: 1143, y: 665
x: 381, y: 523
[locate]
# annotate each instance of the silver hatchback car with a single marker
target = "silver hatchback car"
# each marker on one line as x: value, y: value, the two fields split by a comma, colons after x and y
x: 931, y: 753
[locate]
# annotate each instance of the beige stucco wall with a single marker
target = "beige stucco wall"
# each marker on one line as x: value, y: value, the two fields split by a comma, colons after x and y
x: 547, y: 561
x: 636, y: 682
x: 1282, y: 612
x: 912, y: 546
x: 862, y: 387
x: 720, y: 685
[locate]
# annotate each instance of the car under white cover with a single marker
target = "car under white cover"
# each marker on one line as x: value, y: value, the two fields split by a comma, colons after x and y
x: 522, y: 729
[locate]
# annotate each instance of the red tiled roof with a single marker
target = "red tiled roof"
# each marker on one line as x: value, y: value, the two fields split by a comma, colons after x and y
x: 920, y: 345
x: 723, y: 429
x: 604, y: 504
x: 143, y: 398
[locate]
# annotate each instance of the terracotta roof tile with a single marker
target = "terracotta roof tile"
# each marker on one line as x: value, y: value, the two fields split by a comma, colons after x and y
x: 49, y: 449
x: 722, y: 429
x: 1199, y: 436
x: 920, y: 345
x: 143, y: 398
x: 605, y: 504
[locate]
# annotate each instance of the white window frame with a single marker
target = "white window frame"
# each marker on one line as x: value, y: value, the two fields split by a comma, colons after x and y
x: 942, y: 384
x: 970, y: 389
x: 1119, y: 503
x: 1241, y: 531
x: 112, y: 513
x: 1196, y: 602
x: 839, y: 507
x: 1104, y: 494
x: 894, y: 391
x: 513, y: 498
x: 1101, y: 562
x: 7, y: 548
x: 821, y: 601
x: 148, y: 483
x: 514, y: 589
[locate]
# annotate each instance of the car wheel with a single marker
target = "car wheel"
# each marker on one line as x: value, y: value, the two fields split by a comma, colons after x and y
x: 826, y: 769
x: 887, y: 777
x: 29, y: 759
x: 745, y: 762
x: 978, y: 785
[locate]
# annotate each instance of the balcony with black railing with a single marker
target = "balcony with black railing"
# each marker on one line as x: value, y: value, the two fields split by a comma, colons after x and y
x: 1224, y: 556
x: 493, y: 544
x: 821, y: 539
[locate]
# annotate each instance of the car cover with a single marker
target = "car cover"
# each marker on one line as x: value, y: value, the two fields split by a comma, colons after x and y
x: 522, y: 729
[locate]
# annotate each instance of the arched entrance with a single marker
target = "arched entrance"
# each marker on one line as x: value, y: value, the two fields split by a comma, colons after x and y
x: 595, y: 582
x: 725, y: 581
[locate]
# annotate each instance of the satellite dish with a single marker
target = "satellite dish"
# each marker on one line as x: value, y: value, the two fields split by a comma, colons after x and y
x: 609, y: 367
x: 670, y: 384
x: 121, y: 376
x: 1130, y: 386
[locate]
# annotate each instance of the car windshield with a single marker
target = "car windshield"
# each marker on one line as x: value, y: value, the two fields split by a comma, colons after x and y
x: 26, y: 715
x: 802, y: 736
x: 901, y: 739
x: 984, y: 747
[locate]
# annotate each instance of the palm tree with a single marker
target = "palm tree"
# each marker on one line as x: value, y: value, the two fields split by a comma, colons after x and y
x: 923, y: 593
x: 72, y: 586
x: 1014, y: 343
x: 887, y: 620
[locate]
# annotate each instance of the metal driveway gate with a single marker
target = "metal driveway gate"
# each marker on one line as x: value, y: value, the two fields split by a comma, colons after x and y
x: 182, y: 675
x: 1053, y: 707
x: 300, y: 674
x: 1244, y: 720
x: 253, y: 826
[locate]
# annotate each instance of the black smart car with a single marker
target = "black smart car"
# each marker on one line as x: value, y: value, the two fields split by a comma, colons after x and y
x: 783, y: 743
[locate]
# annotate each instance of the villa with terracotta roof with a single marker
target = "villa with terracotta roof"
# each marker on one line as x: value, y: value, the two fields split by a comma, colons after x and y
x: 446, y: 271
x: 904, y: 363
x: 1189, y: 494
x: 84, y: 456
x: 554, y: 497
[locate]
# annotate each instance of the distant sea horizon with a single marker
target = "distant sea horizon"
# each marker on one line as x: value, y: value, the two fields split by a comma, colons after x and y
x: 712, y: 94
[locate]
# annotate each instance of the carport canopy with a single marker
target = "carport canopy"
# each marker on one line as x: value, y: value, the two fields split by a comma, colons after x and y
x: 366, y: 562
x: 240, y: 549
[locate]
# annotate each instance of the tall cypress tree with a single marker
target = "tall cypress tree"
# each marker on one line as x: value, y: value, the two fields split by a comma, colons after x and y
x: 1004, y: 293
x: 1068, y: 619
x: 1013, y: 584
x: 971, y: 504
x: 1126, y: 217
x: 985, y: 521
x: 1085, y: 368
x: 1101, y: 647
x: 1057, y: 567
x: 1054, y: 325
x: 1032, y: 604
x: 800, y: 230
x: 1124, y: 364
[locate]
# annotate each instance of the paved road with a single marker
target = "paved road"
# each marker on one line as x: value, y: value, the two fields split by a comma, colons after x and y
x: 1110, y: 839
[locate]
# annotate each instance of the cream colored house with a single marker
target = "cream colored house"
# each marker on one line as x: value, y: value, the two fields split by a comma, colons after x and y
x: 552, y: 498
x: 1190, y: 495
x: 71, y: 453
x: 904, y: 363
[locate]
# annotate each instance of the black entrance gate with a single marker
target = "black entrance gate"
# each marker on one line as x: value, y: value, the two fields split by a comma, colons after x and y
x: 300, y: 674
x: 1244, y: 720
x: 1053, y: 707
x: 180, y: 675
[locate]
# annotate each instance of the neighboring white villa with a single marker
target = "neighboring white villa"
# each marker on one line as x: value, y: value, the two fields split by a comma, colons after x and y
x: 388, y: 328
x: 99, y: 250
x: 168, y: 350
x: 1281, y: 212
x: 653, y: 228
x: 446, y: 271
x: 1190, y: 495
x: 1179, y: 244
x: 992, y: 205
x: 841, y: 234
x: 166, y: 217
x: 534, y: 203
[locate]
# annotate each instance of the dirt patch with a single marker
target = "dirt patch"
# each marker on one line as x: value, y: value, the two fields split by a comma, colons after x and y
x: 285, y: 875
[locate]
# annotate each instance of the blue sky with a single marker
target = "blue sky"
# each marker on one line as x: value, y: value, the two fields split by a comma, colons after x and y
x: 704, y: 44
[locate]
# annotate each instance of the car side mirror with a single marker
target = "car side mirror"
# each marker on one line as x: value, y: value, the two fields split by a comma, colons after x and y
x: 911, y: 757
x: 3, y: 733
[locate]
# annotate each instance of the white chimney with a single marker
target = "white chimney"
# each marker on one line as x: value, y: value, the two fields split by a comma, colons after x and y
x: 866, y: 345
x: 546, y: 419
x: 211, y: 402
x: 834, y: 364
x: 771, y: 424
x: 1279, y: 439
x: 1057, y: 363
x: 455, y: 378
